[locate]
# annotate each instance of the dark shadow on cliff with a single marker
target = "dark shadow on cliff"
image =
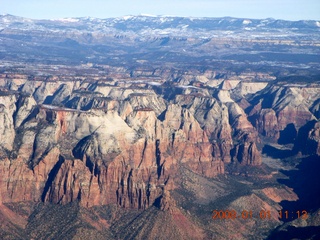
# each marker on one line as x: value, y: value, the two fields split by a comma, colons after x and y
x: 288, y: 135
x: 53, y: 173
x: 302, y: 233
x: 277, y: 153
x: 301, y: 143
x: 305, y: 182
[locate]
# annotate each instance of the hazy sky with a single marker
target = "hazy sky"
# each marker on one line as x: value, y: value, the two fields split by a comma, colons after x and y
x: 279, y: 9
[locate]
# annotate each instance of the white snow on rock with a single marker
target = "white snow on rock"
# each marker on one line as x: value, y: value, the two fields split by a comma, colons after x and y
x: 246, y: 22
x: 68, y: 20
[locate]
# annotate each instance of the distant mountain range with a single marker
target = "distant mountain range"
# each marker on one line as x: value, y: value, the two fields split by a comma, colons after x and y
x: 140, y: 23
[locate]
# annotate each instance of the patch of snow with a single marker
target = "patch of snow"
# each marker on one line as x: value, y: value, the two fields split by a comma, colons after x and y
x: 154, y: 83
x: 127, y: 17
x: 51, y: 107
x: 147, y: 15
x: 5, y: 20
x: 164, y: 32
x: 186, y: 87
x: 143, y: 81
x: 68, y: 20
x: 165, y: 19
x: 246, y: 22
x: 295, y: 85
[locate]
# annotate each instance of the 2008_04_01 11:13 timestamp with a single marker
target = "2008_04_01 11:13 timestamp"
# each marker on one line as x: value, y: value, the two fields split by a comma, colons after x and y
x: 263, y: 214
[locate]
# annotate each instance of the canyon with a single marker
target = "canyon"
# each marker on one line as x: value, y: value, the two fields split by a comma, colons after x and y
x: 136, y: 145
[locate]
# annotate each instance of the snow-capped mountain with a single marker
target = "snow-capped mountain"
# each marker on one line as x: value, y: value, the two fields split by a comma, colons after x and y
x: 140, y: 22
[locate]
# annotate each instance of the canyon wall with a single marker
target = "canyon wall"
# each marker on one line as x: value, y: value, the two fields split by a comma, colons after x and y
x: 100, y: 143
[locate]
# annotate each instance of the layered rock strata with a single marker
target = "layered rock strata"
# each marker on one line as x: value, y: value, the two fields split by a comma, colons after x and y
x: 279, y: 111
x: 102, y: 144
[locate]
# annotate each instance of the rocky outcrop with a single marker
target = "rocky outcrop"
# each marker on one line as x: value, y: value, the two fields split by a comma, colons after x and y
x: 267, y: 124
x: 278, y: 112
x: 7, y: 132
x: 244, y: 87
x: 100, y: 144
x: 246, y: 151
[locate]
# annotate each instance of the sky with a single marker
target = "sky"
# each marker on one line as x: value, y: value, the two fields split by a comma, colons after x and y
x: 54, y: 9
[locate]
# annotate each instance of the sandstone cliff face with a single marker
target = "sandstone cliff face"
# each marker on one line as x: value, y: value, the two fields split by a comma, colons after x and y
x: 101, y: 144
x: 244, y: 133
x: 278, y: 109
x: 7, y: 133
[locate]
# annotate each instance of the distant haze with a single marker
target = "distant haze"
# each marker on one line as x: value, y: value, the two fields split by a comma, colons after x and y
x: 279, y: 9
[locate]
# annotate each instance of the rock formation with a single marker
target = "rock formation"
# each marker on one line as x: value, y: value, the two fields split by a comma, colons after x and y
x: 279, y: 111
x: 102, y: 144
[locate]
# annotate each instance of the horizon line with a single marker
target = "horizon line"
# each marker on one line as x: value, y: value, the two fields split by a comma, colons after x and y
x: 153, y: 16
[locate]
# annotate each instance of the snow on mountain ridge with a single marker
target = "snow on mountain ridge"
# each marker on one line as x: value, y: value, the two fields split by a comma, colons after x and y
x: 68, y: 20
x: 136, y: 23
x: 246, y: 22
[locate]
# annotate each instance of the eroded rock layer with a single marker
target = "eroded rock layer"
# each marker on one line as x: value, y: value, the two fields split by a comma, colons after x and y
x: 102, y: 143
x: 280, y: 110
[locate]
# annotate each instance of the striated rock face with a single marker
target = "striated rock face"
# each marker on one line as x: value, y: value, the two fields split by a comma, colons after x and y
x: 7, y: 132
x: 265, y: 121
x: 246, y: 151
x: 245, y: 88
x: 279, y: 112
x: 102, y: 144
